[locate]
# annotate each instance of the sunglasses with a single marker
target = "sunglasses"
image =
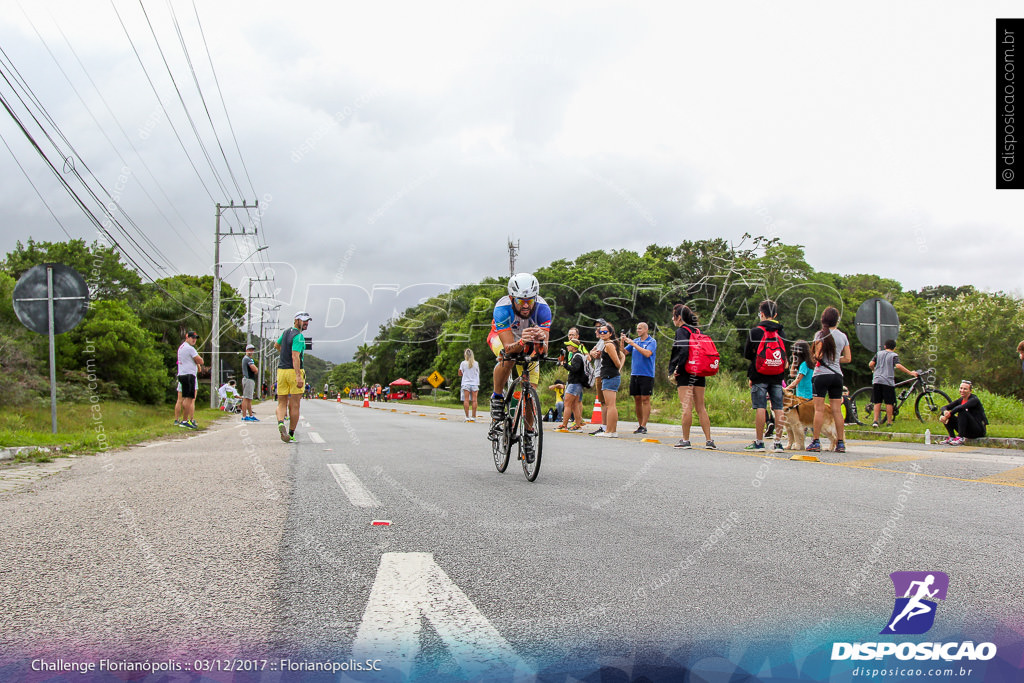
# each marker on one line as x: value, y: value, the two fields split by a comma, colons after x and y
x: 604, y: 331
x: 520, y: 302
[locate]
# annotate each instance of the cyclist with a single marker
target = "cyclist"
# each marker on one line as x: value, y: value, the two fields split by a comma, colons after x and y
x: 521, y: 324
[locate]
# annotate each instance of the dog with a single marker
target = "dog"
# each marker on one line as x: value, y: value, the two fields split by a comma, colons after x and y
x: 799, y: 414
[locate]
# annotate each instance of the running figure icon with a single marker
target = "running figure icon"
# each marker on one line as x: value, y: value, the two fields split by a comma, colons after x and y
x: 913, y: 590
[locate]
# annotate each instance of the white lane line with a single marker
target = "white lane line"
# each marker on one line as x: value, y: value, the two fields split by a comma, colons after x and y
x: 410, y: 587
x: 315, y: 437
x: 357, y: 494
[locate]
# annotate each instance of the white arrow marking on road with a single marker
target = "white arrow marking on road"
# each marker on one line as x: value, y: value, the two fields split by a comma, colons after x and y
x: 410, y: 587
x: 357, y: 494
x: 316, y: 438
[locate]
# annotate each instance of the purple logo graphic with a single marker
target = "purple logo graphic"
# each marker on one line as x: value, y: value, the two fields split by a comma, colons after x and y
x: 914, y: 612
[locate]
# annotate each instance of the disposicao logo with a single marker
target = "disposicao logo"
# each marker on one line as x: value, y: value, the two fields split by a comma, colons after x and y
x: 914, y: 614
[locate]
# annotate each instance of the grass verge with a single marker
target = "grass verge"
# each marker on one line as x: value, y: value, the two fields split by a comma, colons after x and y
x: 89, y: 428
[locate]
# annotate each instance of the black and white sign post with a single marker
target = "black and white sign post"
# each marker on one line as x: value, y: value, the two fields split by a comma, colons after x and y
x: 51, y: 299
x: 876, y: 322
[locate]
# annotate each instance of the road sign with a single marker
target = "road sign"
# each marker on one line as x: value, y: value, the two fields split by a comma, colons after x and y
x: 876, y: 322
x: 70, y: 298
x: 51, y: 299
x: 436, y: 379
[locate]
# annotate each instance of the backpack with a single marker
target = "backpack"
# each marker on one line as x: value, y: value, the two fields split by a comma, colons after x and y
x: 771, y: 354
x: 703, y: 359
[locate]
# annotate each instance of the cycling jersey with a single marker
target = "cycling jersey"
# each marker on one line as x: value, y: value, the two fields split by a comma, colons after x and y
x: 506, y: 317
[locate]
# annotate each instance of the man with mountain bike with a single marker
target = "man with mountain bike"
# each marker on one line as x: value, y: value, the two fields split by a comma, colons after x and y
x: 521, y: 324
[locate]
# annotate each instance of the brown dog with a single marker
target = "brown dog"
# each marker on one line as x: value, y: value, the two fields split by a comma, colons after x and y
x: 800, y: 414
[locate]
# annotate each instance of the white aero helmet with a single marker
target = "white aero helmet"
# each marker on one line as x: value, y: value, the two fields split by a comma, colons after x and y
x: 523, y: 286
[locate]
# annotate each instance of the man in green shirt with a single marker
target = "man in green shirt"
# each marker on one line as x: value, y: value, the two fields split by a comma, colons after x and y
x: 290, y: 380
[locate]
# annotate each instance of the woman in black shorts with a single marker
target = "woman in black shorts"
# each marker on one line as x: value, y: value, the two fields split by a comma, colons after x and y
x: 690, y: 387
x: 830, y: 348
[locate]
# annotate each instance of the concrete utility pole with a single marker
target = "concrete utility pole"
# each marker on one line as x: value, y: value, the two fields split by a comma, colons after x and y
x: 215, y: 336
x: 248, y: 308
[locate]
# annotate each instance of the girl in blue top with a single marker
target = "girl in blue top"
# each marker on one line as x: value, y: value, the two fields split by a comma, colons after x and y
x: 802, y: 358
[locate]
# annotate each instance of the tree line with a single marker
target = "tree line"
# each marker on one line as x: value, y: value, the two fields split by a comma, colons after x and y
x: 956, y: 329
x: 129, y: 337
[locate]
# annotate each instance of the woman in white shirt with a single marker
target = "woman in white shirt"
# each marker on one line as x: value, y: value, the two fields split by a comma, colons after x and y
x: 469, y: 371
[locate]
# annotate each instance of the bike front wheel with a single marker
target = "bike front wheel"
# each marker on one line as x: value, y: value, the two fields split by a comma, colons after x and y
x: 929, y: 405
x: 531, y: 406
x: 502, y: 446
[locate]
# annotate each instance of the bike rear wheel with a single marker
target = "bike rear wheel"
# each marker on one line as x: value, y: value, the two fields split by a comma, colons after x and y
x: 929, y: 404
x: 531, y: 405
x: 865, y: 405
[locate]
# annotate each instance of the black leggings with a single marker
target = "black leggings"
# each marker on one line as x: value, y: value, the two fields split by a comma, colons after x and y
x: 967, y: 425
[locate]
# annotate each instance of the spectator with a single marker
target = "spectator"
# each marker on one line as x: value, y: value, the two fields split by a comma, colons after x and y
x: 599, y: 350
x: 189, y: 362
x: 469, y: 371
x: 641, y: 380
x: 964, y: 418
x: 765, y: 386
x: 228, y: 396
x: 883, y: 382
x: 830, y: 349
x: 577, y: 356
x: 178, y: 405
x: 801, y: 368
x: 690, y: 388
x: 559, y: 388
x: 612, y: 355
x: 1020, y: 354
x: 249, y: 375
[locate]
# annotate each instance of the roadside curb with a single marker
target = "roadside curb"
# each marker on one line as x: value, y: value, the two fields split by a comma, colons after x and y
x: 987, y: 441
x: 10, y: 452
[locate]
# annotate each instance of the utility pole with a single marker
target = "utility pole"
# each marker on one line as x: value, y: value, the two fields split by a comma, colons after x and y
x: 215, y: 340
x: 513, y: 249
x: 248, y: 308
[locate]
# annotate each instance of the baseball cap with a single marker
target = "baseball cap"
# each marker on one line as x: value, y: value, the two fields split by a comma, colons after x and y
x: 303, y: 316
x: 191, y: 334
x: 250, y: 346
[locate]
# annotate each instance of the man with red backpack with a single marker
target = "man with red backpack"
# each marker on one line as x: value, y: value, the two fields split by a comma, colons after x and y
x: 766, y: 351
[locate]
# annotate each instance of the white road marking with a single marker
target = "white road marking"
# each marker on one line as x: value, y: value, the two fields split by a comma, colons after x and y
x: 357, y: 494
x: 410, y: 587
x: 316, y: 438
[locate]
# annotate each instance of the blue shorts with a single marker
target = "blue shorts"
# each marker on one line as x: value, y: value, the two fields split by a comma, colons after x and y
x: 574, y: 389
x: 611, y: 384
x: 760, y: 393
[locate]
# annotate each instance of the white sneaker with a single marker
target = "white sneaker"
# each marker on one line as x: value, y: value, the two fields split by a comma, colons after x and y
x: 600, y: 434
x: 472, y: 419
x: 612, y: 435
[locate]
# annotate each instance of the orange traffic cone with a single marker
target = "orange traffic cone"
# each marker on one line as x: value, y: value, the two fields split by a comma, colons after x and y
x: 366, y: 401
x: 597, y: 418
x: 339, y: 397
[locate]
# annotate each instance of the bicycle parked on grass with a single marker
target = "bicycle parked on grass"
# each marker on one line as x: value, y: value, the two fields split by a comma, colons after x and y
x: 522, y: 405
x: 927, y: 407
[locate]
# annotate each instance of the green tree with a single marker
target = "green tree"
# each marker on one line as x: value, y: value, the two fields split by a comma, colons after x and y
x: 363, y: 355
x: 101, y: 266
x: 117, y: 348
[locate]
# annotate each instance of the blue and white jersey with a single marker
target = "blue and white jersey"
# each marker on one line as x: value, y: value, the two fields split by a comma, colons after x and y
x: 506, y: 318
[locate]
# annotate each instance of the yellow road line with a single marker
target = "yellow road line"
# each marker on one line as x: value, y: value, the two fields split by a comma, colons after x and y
x: 1014, y: 477
x: 871, y: 462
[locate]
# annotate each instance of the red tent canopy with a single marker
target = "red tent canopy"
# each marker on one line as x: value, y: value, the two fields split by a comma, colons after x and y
x: 401, y: 382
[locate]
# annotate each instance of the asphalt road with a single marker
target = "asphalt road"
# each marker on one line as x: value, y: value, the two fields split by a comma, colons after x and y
x: 621, y: 551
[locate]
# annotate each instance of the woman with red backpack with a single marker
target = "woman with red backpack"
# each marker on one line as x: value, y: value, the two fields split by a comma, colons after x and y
x: 691, y: 387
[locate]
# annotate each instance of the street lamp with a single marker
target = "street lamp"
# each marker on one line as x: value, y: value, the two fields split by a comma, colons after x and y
x: 263, y: 349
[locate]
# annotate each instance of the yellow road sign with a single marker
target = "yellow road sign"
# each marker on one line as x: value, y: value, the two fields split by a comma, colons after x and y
x: 436, y: 379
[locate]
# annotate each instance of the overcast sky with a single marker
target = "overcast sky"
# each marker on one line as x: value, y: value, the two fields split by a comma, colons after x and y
x: 396, y: 145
